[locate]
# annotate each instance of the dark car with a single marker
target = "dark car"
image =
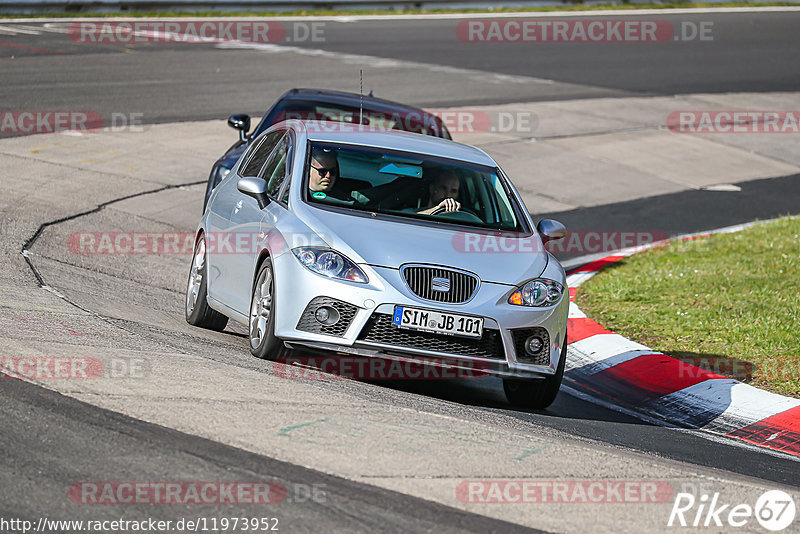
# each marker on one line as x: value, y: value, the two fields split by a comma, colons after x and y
x: 324, y: 105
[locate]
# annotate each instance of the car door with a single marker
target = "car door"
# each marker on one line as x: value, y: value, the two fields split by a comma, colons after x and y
x: 278, y: 188
x: 248, y: 220
x: 229, y: 227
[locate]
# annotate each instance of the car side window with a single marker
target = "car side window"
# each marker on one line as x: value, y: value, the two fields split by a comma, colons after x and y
x: 260, y: 154
x: 274, y: 171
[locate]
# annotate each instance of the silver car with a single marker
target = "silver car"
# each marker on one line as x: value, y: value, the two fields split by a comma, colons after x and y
x: 383, y: 244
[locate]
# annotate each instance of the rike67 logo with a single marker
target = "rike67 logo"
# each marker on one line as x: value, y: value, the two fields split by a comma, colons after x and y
x: 774, y: 510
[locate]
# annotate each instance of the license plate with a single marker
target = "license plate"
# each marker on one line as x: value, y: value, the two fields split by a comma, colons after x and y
x: 450, y: 324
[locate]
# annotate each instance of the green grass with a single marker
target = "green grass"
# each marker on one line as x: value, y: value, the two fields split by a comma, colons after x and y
x: 569, y: 6
x: 723, y: 298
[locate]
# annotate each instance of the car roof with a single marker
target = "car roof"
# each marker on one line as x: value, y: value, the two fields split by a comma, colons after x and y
x: 391, y: 139
x: 348, y: 99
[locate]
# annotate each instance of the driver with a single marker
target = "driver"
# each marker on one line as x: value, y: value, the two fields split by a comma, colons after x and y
x: 323, y: 174
x: 324, y: 170
x: 442, y: 192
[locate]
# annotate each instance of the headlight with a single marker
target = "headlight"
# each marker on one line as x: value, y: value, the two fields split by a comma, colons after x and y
x: 328, y: 262
x: 540, y: 292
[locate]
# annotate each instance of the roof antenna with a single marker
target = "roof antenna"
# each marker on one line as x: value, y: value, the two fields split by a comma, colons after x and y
x: 361, y: 93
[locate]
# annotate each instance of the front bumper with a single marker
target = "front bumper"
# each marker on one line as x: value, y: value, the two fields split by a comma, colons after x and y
x: 365, y: 327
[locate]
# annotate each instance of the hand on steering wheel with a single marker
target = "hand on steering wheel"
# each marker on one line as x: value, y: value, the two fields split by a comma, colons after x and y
x: 446, y: 205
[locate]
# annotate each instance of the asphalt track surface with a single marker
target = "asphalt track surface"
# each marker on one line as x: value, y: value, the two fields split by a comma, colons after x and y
x: 116, y: 445
x: 169, y: 82
x: 46, y: 436
x: 691, y: 211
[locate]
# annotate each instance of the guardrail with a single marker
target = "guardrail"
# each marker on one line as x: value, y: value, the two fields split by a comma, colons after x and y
x: 121, y: 6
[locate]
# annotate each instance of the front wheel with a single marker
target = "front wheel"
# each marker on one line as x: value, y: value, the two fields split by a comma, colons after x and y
x: 263, y: 343
x: 537, y: 394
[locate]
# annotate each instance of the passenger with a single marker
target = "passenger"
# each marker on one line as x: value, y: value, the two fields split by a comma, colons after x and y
x: 442, y: 192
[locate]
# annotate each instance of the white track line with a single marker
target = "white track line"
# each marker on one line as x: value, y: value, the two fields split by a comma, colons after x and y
x: 53, y: 28
x: 379, y: 62
x: 434, y: 16
x: 14, y: 30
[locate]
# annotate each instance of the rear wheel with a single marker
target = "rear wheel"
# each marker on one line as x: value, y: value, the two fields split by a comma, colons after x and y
x: 538, y: 394
x: 198, y: 313
x: 263, y: 343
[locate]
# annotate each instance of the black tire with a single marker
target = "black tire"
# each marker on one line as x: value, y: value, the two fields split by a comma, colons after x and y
x: 537, y: 394
x: 261, y: 326
x: 196, y: 308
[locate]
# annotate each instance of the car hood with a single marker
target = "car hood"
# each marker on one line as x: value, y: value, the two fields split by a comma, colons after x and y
x: 501, y: 258
x: 229, y: 159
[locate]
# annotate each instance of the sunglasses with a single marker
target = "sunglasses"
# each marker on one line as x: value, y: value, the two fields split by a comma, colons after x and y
x: 324, y: 170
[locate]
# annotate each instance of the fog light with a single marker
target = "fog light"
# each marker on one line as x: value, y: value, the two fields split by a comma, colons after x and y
x: 533, y: 345
x: 327, y: 315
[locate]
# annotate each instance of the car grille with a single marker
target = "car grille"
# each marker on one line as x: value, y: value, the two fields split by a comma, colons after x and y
x: 308, y: 323
x: 380, y: 329
x: 540, y: 358
x: 455, y: 286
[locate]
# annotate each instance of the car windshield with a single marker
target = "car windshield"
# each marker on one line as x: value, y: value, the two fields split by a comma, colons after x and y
x: 409, y: 185
x: 408, y: 120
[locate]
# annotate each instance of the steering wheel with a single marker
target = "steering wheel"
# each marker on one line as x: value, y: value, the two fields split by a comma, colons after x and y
x: 465, y: 215
x: 437, y: 211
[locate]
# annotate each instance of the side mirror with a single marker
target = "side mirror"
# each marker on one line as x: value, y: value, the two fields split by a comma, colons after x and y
x: 240, y: 122
x: 551, y: 230
x: 256, y: 188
